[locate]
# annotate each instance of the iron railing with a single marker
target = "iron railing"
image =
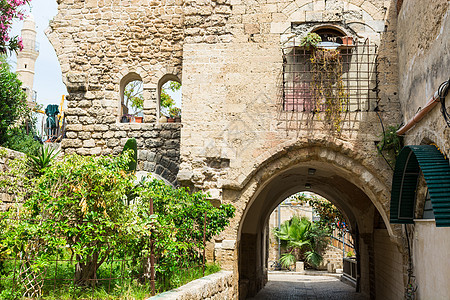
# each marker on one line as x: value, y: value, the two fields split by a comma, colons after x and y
x: 350, y: 268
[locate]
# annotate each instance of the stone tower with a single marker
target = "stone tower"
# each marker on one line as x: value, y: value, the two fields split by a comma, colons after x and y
x: 27, y: 57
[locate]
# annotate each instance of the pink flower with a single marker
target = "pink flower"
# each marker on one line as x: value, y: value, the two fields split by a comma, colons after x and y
x: 20, y: 44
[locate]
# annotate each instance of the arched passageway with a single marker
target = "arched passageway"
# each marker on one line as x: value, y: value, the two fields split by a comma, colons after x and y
x: 347, y: 190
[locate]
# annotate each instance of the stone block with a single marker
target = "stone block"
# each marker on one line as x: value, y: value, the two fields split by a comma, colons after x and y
x: 228, y: 244
x: 251, y: 28
x: 89, y: 143
x: 300, y: 267
x: 280, y: 27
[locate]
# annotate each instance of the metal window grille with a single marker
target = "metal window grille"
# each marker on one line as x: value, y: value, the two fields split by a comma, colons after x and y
x: 359, y: 79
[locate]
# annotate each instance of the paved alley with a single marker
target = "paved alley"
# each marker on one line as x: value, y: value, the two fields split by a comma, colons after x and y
x: 286, y: 286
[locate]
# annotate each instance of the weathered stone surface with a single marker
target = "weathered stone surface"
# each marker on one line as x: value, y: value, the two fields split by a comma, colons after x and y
x: 235, y: 136
x: 215, y: 286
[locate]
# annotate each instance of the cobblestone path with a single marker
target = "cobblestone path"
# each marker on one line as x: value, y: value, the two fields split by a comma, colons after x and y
x: 284, y: 287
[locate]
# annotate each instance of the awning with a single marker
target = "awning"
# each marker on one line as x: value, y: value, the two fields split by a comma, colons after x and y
x: 436, y: 171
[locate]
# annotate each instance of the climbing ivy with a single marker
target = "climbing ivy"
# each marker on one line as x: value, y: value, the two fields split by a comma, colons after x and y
x: 327, y: 85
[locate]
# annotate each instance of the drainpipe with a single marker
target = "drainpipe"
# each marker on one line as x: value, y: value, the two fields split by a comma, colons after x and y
x: 420, y: 114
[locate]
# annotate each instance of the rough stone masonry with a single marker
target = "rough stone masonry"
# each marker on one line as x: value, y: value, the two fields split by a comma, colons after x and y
x: 235, y: 136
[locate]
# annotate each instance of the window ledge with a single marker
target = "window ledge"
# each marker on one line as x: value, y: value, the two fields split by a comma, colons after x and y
x: 425, y: 220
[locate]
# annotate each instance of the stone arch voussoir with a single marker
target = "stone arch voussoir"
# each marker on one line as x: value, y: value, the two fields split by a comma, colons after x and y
x: 339, y: 154
x: 289, y: 11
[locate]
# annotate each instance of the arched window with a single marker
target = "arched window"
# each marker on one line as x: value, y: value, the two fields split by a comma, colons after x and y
x: 331, y: 35
x: 132, y: 100
x: 170, y: 99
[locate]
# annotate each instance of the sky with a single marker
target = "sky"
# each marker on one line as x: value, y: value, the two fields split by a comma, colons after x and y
x: 48, y: 79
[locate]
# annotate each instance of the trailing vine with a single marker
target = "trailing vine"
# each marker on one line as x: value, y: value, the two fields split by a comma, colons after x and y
x: 327, y: 85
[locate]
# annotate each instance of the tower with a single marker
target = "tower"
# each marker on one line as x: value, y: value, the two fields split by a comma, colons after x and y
x: 27, y: 58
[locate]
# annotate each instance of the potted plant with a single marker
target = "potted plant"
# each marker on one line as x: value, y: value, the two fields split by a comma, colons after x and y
x: 175, y: 114
x: 303, y: 240
x: 139, y: 118
x: 347, y: 40
x: 310, y: 40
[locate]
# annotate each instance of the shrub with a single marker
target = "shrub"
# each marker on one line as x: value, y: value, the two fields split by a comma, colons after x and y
x: 13, y: 103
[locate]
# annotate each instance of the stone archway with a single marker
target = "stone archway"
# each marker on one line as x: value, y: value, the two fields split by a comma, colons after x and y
x: 355, y: 188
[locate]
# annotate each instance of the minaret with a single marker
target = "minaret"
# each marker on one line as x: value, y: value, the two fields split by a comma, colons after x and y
x: 27, y: 58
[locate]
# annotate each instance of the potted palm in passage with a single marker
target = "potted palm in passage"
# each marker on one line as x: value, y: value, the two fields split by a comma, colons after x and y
x: 299, y: 237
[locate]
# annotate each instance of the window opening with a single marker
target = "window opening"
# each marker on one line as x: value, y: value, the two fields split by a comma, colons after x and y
x: 133, y: 102
x: 170, y: 101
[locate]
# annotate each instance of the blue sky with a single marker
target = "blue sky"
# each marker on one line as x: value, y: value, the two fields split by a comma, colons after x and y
x: 48, y: 80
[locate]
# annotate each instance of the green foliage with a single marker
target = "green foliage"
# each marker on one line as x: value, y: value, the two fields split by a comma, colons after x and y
x: 310, y: 40
x: 85, y: 210
x: 77, y: 203
x: 166, y: 101
x: 329, y: 215
x: 18, y: 139
x: 302, y: 239
x: 177, y: 223
x: 131, y: 144
x: 38, y: 163
x: 319, y: 238
x: 391, y: 143
x: 327, y: 85
x: 287, y: 260
x: 13, y: 105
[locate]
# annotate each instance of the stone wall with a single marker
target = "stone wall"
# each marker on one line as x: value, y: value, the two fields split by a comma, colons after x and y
x: 228, y: 56
x: 6, y: 155
x: 430, y: 253
x: 217, y: 286
x: 389, y: 266
x: 158, y: 144
x: 423, y: 45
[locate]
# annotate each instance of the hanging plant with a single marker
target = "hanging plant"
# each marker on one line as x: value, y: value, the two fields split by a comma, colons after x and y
x: 390, y: 145
x: 311, y: 40
x: 327, y: 86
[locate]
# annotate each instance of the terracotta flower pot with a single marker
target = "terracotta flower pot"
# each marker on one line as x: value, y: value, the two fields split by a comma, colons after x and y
x: 170, y: 120
x: 138, y: 119
x: 347, y: 40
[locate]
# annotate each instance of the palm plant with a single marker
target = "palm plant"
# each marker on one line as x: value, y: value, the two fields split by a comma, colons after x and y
x: 293, y: 236
x: 38, y: 163
x: 319, y: 238
x: 302, y: 239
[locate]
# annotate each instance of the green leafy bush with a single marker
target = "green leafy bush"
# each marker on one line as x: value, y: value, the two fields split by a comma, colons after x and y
x: 13, y: 105
x: 79, y: 209
x: 17, y: 139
